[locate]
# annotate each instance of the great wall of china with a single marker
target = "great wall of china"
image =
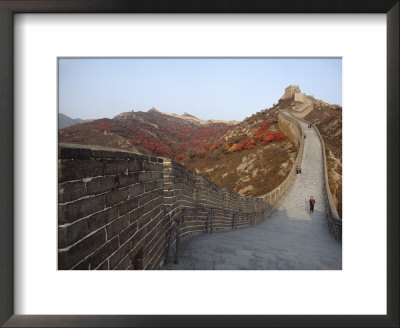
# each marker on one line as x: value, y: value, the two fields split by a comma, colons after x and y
x: 120, y: 210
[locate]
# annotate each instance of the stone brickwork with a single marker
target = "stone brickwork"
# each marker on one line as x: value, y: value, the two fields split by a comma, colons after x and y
x: 120, y: 210
x: 110, y: 209
x: 185, y: 191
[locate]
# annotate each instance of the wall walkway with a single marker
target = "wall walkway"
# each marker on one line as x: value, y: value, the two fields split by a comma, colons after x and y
x: 291, y: 238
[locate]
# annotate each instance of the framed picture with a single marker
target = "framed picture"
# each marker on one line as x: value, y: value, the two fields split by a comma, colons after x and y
x: 155, y: 298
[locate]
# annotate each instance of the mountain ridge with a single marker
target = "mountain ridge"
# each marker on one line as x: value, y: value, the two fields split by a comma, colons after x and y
x: 151, y: 132
x: 185, y: 116
x: 250, y: 157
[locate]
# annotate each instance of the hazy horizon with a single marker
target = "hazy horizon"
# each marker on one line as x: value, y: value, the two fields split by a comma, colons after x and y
x: 210, y: 88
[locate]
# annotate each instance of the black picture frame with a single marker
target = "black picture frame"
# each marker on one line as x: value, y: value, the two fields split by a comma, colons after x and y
x: 10, y: 7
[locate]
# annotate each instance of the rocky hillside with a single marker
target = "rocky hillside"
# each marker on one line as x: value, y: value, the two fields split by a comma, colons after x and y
x: 328, y: 120
x: 251, y: 159
x: 150, y: 132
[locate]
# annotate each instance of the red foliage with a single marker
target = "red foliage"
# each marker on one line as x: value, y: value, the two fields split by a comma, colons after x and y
x: 212, y: 147
x: 261, y: 136
x: 164, y: 136
x: 265, y: 136
x: 172, y: 139
x: 268, y: 137
x: 247, y: 144
x: 180, y: 157
x: 263, y: 127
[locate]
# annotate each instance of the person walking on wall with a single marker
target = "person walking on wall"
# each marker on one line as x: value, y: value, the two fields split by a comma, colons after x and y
x: 312, y: 202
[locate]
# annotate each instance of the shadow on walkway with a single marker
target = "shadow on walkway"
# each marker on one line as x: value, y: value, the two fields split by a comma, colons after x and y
x: 281, y: 242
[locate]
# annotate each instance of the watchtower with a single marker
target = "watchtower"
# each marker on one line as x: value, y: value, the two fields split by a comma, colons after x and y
x: 290, y: 91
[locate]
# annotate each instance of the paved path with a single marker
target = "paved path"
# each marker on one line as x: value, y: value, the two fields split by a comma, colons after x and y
x: 291, y: 239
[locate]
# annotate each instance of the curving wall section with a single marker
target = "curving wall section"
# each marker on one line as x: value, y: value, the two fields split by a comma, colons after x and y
x: 196, y: 205
x: 119, y: 210
x: 305, y: 108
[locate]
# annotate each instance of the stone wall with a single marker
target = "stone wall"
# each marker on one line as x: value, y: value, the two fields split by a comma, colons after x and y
x: 304, y: 109
x: 110, y: 209
x: 120, y: 210
x: 193, y: 198
x: 291, y: 128
x: 300, y: 97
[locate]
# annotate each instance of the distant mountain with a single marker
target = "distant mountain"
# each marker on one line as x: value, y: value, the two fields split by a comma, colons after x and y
x: 65, y: 121
x: 151, y: 132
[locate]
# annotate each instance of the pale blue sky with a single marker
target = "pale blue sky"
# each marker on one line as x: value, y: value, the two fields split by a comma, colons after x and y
x: 211, y: 88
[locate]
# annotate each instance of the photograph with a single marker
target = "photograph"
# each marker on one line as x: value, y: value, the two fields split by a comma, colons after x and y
x: 200, y: 158
x: 199, y: 163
